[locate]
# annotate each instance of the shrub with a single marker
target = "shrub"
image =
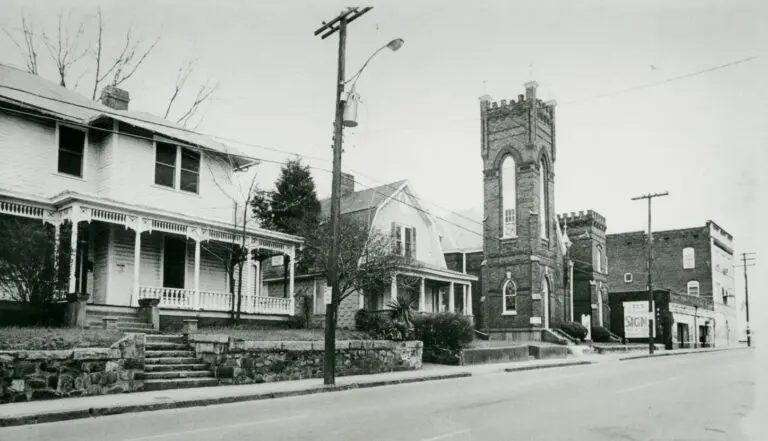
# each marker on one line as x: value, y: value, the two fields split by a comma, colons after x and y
x: 601, y: 335
x: 443, y: 331
x: 296, y: 322
x: 574, y: 330
x: 378, y: 326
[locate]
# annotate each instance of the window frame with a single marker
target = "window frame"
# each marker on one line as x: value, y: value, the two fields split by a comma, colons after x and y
x: 399, y: 244
x: 689, y: 262
x: 177, y: 167
x: 628, y: 279
x: 693, y: 284
x: 83, y: 160
x: 504, y: 296
x: 600, y: 253
x: 512, y: 225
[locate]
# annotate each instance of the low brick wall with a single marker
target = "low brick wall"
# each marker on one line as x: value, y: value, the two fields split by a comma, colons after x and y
x: 40, y: 375
x: 238, y: 361
x: 547, y: 352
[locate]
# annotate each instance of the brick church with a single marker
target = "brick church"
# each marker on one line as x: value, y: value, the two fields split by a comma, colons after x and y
x: 525, y: 276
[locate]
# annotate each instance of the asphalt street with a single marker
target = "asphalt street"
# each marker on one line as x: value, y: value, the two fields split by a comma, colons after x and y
x: 693, y: 397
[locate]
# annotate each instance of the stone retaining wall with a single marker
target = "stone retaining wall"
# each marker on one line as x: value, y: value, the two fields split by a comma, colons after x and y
x: 238, y: 361
x: 39, y: 375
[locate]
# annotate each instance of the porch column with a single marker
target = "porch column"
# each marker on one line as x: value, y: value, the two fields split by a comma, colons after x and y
x: 73, y: 256
x: 136, y: 266
x: 570, y: 288
x: 56, y: 243
x: 258, y: 278
x: 249, y: 279
x: 393, y: 288
x: 361, y: 300
x: 468, y: 306
x: 422, y: 295
x: 451, y: 298
x: 197, y: 274
x: 291, y: 268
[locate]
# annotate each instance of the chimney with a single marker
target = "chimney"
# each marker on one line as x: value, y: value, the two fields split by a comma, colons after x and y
x: 530, y: 90
x: 115, y: 98
x: 347, y: 184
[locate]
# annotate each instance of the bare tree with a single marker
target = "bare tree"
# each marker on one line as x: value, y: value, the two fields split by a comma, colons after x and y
x: 28, y: 44
x: 66, y: 48
x: 203, y: 93
x: 125, y: 65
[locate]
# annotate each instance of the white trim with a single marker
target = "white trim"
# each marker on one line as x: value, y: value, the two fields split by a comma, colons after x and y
x: 629, y: 279
x: 110, y: 264
x: 504, y: 310
x: 83, y: 167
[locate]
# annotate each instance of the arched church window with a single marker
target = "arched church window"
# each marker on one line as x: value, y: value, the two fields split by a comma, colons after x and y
x: 509, y: 197
x: 543, y: 200
x: 509, y: 290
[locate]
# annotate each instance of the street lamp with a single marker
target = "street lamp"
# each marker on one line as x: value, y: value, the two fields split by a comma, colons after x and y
x: 339, y: 24
x: 350, y: 105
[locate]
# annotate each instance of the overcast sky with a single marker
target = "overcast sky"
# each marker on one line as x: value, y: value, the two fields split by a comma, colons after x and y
x: 698, y: 137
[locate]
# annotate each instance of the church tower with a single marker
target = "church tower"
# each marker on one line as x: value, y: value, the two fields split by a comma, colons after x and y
x: 523, y: 269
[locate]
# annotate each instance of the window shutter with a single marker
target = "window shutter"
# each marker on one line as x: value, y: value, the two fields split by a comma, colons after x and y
x: 413, y: 242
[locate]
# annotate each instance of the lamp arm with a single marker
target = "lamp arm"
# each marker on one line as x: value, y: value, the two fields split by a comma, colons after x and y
x: 360, y: 71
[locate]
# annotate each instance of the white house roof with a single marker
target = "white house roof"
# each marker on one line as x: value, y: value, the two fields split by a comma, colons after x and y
x: 32, y: 91
x: 461, y: 231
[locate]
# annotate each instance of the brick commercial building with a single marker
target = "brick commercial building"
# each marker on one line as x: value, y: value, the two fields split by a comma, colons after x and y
x: 522, y: 245
x: 588, y: 267
x: 694, y: 263
x: 690, y: 319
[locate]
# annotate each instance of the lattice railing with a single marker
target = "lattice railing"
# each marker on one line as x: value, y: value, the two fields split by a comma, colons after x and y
x: 108, y: 216
x: 23, y: 210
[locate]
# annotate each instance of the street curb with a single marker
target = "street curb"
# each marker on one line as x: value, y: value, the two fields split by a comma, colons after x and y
x: 665, y: 354
x: 105, y: 411
x: 547, y: 366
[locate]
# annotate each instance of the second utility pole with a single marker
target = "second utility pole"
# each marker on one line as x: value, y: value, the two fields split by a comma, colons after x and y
x: 340, y: 22
x: 651, y: 312
x: 745, y: 258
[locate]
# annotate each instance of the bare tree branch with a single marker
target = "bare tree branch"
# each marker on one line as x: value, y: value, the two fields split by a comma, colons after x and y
x: 203, y: 95
x: 97, y: 79
x: 28, y: 48
x: 130, y: 59
x: 65, y: 50
x: 181, y: 79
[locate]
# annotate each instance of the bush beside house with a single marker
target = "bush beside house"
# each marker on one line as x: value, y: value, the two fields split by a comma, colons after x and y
x: 575, y: 330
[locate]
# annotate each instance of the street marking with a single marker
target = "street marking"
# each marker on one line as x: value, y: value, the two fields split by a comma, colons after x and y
x: 208, y: 429
x: 447, y: 435
x: 644, y: 385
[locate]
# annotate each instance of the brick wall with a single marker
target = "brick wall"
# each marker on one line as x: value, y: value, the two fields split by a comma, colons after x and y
x: 627, y: 253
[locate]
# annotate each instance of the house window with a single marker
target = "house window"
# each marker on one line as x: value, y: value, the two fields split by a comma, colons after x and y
x: 404, y: 240
x: 543, y: 200
x: 509, y: 291
x: 71, y: 151
x: 693, y: 288
x: 509, y: 197
x: 319, y: 288
x: 170, y: 159
x: 689, y: 261
x: 627, y: 277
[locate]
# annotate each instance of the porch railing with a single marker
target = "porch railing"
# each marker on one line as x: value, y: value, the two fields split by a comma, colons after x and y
x: 189, y: 299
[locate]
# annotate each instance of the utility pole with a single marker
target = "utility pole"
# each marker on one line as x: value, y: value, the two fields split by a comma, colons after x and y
x: 339, y: 23
x: 651, y: 312
x: 745, y: 259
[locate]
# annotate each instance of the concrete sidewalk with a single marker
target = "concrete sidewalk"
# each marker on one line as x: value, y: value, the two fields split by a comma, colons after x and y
x: 668, y: 353
x: 43, y: 411
x: 32, y: 412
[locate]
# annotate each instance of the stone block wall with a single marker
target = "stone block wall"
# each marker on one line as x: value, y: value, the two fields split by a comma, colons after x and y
x: 40, y: 375
x: 238, y: 361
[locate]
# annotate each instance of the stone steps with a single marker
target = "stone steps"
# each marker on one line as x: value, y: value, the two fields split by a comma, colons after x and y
x: 179, y: 383
x: 175, y: 367
x: 176, y: 374
x: 170, y: 354
x: 165, y: 346
x: 171, y: 360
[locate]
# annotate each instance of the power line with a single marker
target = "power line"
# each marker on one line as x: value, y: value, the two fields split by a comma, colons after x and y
x: 281, y: 163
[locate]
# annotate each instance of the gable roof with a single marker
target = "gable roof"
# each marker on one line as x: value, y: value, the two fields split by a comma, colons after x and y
x: 461, y: 231
x: 363, y: 200
x: 26, y: 90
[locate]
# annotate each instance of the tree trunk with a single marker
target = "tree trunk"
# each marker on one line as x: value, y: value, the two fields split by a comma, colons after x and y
x: 239, y: 292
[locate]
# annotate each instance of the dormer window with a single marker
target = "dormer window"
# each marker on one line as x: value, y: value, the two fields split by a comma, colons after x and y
x: 404, y: 240
x: 177, y: 167
x: 71, y: 150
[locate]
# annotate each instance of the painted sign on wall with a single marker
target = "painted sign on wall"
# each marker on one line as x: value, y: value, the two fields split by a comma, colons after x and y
x: 636, y: 320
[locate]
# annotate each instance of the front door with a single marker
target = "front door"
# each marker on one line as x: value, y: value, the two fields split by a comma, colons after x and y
x: 174, y: 262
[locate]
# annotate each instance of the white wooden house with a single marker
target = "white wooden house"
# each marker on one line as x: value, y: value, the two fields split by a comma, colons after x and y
x: 152, y: 201
x: 391, y: 209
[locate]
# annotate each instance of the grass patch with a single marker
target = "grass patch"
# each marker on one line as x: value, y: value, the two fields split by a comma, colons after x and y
x: 271, y: 334
x: 36, y: 338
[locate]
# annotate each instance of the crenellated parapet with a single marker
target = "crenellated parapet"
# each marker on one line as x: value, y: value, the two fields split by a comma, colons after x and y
x: 584, y: 218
